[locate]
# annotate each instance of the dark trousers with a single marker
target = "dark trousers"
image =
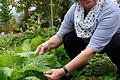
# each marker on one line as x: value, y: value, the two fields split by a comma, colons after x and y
x: 73, y: 46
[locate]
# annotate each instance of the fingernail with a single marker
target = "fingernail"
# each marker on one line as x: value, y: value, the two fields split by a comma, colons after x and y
x: 41, y: 52
x: 45, y: 72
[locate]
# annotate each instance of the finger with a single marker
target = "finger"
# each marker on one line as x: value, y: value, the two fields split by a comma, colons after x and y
x: 37, y: 50
x: 48, y: 76
x: 49, y: 72
x: 41, y: 50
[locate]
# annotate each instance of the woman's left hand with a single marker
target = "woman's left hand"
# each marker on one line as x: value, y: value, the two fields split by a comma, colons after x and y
x: 54, y: 74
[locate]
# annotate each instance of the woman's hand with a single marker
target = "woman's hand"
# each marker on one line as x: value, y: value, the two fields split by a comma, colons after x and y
x: 53, y: 42
x: 54, y: 74
x: 42, y: 48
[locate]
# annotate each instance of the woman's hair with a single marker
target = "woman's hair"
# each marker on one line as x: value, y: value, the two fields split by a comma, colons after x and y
x: 74, y: 0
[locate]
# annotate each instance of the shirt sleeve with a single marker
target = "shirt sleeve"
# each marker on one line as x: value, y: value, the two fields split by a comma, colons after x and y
x: 68, y: 22
x: 106, y: 28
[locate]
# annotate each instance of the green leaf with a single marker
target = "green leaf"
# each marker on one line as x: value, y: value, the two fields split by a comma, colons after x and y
x: 42, y: 63
x: 26, y: 46
x: 35, y: 42
x: 5, y: 72
x: 8, y: 71
x: 26, y: 54
x: 31, y: 78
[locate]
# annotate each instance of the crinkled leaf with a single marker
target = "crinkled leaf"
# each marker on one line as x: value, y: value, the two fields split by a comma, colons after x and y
x: 31, y: 78
x: 35, y: 42
x: 8, y: 71
x: 39, y: 68
x: 42, y: 63
x: 26, y: 46
x: 26, y: 54
x: 5, y: 72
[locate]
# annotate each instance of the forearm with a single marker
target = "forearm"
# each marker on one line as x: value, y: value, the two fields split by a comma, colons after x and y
x: 55, y: 41
x: 79, y: 60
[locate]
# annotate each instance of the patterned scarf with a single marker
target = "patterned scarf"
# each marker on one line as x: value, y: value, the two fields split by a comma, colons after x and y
x: 85, y: 26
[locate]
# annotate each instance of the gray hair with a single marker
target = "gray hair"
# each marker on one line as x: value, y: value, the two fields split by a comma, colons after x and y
x: 74, y: 1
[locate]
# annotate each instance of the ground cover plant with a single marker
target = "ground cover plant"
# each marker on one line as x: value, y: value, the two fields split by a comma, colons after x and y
x: 19, y: 62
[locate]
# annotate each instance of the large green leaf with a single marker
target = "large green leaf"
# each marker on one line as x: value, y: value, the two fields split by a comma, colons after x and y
x: 5, y: 72
x: 31, y: 78
x: 41, y: 63
x: 35, y: 42
x: 26, y: 54
x: 26, y: 46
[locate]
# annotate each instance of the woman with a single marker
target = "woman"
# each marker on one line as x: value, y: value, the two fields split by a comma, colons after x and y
x: 89, y: 27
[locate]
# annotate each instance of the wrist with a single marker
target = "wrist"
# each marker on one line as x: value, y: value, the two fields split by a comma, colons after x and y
x: 62, y: 72
x: 66, y: 72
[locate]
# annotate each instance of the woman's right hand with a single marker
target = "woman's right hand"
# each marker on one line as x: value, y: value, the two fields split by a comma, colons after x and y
x: 53, y: 42
x: 42, y: 48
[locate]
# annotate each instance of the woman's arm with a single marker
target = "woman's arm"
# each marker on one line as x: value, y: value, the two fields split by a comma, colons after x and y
x: 79, y: 60
x: 55, y: 74
x: 55, y: 41
x: 106, y: 28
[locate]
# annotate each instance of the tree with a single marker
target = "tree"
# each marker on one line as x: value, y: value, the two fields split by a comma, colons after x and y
x: 5, y: 14
x: 43, y: 7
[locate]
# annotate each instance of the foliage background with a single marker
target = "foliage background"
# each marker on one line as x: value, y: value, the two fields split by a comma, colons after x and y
x: 17, y: 58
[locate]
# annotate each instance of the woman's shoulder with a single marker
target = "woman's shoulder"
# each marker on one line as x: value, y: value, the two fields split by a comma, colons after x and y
x: 72, y: 9
x: 73, y: 6
x: 110, y: 6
